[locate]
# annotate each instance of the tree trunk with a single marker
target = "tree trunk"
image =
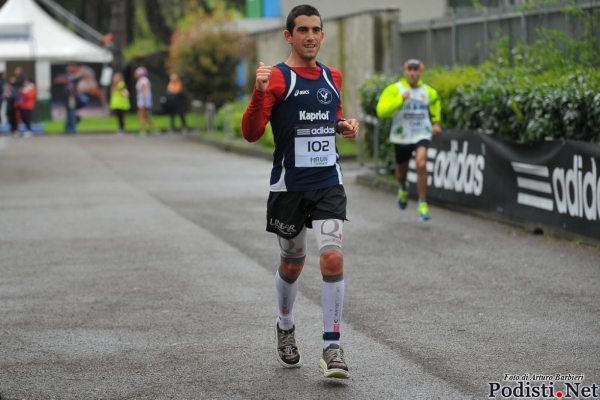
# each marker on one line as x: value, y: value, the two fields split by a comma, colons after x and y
x: 118, y: 25
x: 130, y: 16
x: 154, y: 14
x: 90, y: 13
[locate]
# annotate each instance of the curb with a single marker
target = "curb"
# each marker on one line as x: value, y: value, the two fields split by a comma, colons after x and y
x: 380, y: 183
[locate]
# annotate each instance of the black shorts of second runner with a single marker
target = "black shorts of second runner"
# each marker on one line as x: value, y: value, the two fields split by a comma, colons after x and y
x: 404, y: 151
x: 289, y: 212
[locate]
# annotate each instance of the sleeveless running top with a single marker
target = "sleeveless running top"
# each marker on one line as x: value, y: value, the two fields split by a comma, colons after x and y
x: 305, y: 156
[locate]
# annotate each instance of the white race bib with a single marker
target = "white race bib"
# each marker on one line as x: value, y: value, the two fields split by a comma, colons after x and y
x: 315, y: 145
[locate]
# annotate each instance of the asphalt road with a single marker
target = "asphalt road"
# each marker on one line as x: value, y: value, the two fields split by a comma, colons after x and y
x: 138, y: 268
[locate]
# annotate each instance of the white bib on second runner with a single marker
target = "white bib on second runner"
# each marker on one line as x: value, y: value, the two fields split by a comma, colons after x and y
x: 411, y: 123
x: 315, y: 145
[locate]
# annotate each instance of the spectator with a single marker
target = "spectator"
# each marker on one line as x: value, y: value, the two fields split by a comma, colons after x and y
x: 175, y: 100
x: 71, y: 104
x: 27, y: 100
x: 11, y: 97
x: 144, y: 100
x: 3, y: 83
x: 20, y: 75
x: 85, y: 81
x: 119, y: 100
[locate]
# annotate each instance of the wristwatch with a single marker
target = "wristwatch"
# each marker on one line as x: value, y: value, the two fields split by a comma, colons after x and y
x: 337, y: 129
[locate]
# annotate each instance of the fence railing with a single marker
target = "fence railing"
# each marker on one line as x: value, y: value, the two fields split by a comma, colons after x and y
x: 466, y: 40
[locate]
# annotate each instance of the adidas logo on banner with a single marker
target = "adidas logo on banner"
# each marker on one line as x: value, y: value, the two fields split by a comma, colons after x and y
x: 575, y: 192
x: 535, y: 179
x: 455, y: 170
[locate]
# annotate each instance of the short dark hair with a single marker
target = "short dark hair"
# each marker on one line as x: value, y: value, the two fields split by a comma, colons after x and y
x: 303, y: 9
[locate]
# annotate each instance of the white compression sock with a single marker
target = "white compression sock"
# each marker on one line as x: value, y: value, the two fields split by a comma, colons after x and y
x: 286, y: 295
x: 332, y: 300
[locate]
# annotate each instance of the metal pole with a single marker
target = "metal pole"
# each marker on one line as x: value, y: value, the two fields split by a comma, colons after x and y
x: 360, y: 146
x: 376, y: 144
x: 430, y: 42
x: 79, y: 24
x: 486, y: 44
x: 453, y: 44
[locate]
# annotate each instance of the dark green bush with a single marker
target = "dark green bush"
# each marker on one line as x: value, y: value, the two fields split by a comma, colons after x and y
x: 518, y: 105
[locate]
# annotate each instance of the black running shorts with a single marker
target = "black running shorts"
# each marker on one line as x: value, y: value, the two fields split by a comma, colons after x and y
x: 289, y: 212
x: 404, y: 151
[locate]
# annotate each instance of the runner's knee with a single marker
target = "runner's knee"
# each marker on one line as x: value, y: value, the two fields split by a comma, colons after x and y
x: 332, y: 263
x: 291, y: 271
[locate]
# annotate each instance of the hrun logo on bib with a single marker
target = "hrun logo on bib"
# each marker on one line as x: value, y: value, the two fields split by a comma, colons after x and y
x: 319, y: 161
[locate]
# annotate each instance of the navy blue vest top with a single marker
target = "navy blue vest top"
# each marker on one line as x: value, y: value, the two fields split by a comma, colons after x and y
x: 305, y: 156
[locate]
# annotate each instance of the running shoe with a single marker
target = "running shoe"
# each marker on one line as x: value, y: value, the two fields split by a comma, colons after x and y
x: 332, y: 363
x: 424, y: 211
x: 288, y: 354
x: 402, y: 198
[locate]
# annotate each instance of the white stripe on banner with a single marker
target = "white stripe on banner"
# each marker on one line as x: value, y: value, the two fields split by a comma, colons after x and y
x: 431, y: 153
x: 3, y: 143
x: 530, y: 169
x: 412, y: 178
x: 535, y: 201
x: 537, y: 186
x: 412, y: 165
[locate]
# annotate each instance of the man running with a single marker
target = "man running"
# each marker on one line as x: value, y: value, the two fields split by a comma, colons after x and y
x: 416, y: 111
x: 301, y: 99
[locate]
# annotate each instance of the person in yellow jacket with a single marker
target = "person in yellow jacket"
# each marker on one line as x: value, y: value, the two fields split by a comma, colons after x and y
x: 119, y: 100
x: 415, y: 110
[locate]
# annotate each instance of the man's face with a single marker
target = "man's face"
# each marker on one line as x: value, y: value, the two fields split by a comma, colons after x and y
x: 412, y: 74
x: 307, y: 37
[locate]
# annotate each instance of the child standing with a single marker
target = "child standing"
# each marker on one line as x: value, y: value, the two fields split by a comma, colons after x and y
x: 144, y: 100
x: 119, y: 100
x: 27, y: 104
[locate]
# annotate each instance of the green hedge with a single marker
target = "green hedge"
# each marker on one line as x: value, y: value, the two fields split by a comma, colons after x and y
x: 515, y: 104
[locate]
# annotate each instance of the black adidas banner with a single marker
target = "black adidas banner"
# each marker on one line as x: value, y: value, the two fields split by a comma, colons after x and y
x: 554, y: 183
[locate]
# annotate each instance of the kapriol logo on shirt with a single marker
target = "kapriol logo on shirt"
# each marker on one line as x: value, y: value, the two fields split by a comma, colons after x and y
x: 314, y: 116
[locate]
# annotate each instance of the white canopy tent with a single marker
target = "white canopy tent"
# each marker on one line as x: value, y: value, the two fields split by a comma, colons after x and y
x: 28, y: 33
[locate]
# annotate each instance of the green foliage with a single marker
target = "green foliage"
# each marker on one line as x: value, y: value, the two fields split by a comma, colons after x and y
x: 369, y: 96
x: 515, y: 104
x: 267, y: 139
x: 205, y: 51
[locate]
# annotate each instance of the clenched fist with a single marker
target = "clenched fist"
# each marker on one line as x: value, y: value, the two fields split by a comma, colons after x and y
x: 263, y: 76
